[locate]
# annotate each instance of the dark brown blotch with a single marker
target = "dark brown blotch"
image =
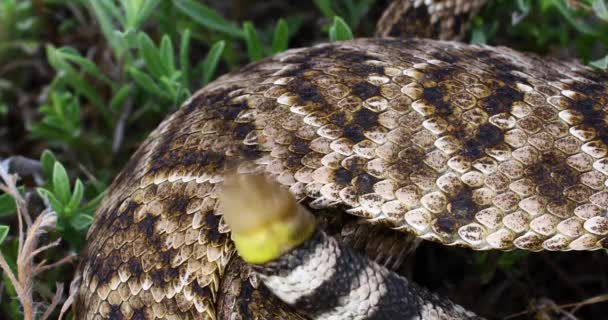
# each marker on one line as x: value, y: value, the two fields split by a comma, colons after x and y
x: 250, y: 152
x: 147, y: 227
x: 177, y: 205
x: 339, y: 118
x: 201, y: 291
x: 139, y: 314
x: 487, y: 135
x: 445, y: 225
x: 115, y: 313
x: 365, y: 90
x: 462, y: 206
x: 299, y: 146
x: 242, y: 129
x: 364, y: 183
x: 501, y: 100
x: 436, y: 97
x: 343, y: 177
x: 353, y: 132
x: 594, y: 115
x: 365, y: 118
x: 105, y: 268
x: 551, y: 175
x: 439, y: 74
x: 135, y: 267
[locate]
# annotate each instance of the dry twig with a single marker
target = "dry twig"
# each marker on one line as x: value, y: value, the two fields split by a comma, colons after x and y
x: 28, y: 237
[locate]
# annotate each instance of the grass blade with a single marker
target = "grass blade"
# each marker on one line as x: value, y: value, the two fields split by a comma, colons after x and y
x: 339, y: 30
x: 280, y: 38
x: 211, y: 60
x: 208, y: 17
x: 254, y: 45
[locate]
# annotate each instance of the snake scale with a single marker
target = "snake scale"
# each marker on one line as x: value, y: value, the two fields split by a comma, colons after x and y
x: 475, y: 146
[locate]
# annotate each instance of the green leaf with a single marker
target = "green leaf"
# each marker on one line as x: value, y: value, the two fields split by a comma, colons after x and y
x: 184, y: 57
x: 601, y: 64
x: 121, y: 95
x: 524, y: 6
x: 211, y: 60
x: 254, y: 45
x: 61, y: 183
x: 53, y: 201
x: 87, y: 65
x: 339, y: 30
x: 104, y: 19
x: 77, y: 195
x: 325, y: 8
x: 47, y: 160
x: 81, y: 221
x: 144, y: 81
x: 3, y: 232
x: 599, y: 7
x: 167, y: 55
x: 151, y: 56
x: 7, y: 205
x: 280, y: 38
x: 67, y: 73
x: 208, y: 17
x: 478, y: 36
x: 90, y: 207
x: 579, y: 25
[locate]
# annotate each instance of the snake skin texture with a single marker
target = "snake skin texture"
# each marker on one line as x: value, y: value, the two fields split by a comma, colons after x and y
x: 433, y: 19
x: 475, y: 146
x: 327, y: 280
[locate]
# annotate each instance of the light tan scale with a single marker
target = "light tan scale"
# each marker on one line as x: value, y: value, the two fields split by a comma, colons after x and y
x: 464, y: 145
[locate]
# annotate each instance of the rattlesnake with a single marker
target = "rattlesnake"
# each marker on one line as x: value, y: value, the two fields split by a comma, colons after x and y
x: 476, y: 146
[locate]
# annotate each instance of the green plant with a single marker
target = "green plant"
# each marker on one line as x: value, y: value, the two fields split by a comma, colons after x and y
x: 65, y: 200
x: 339, y: 30
x: 543, y: 25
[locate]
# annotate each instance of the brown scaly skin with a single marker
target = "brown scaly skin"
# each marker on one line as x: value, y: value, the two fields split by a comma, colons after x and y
x: 435, y: 19
x: 464, y: 145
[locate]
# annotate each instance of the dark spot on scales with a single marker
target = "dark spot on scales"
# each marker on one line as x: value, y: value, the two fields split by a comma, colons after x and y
x: 445, y: 225
x: 343, y: 177
x: 552, y: 175
x: 299, y: 146
x: 594, y: 115
x: 363, y: 70
x: 178, y: 205
x: 139, y: 314
x: 462, y: 206
x: 231, y: 111
x: 242, y: 129
x: 105, y: 268
x: 501, y: 100
x: 115, y: 313
x: 135, y: 267
x: 440, y: 73
x: 339, y: 118
x: 364, y: 183
x: 444, y: 56
x: 201, y: 291
x: 365, y: 118
x: 250, y: 152
x: 439, y: 100
x: 487, y: 135
x: 353, y: 132
x: 365, y: 90
x: 157, y: 276
x: 146, y: 227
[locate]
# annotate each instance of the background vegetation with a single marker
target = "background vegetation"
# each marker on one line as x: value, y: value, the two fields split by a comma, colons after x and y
x: 82, y: 82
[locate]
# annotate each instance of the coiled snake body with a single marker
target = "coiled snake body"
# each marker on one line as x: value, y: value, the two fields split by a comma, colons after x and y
x: 465, y: 145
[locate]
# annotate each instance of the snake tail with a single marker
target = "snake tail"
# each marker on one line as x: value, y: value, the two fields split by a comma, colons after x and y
x: 312, y: 271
